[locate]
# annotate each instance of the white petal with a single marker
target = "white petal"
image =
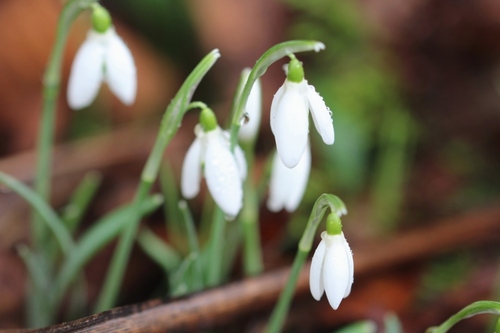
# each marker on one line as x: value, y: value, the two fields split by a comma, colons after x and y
x: 86, y: 72
x: 291, y: 123
x: 321, y: 116
x: 335, y: 269
x: 279, y: 185
x: 348, y: 252
x: 249, y: 130
x: 222, y: 174
x: 274, y: 105
x: 241, y: 161
x: 191, y: 170
x: 120, y: 69
x: 316, y: 272
x: 298, y: 178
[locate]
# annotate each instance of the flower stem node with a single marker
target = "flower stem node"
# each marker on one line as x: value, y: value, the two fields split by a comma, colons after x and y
x: 290, y: 116
x: 103, y: 57
x: 333, y: 224
x: 224, y: 171
x: 295, y: 70
x: 208, y: 120
x: 101, y: 20
x: 332, y: 269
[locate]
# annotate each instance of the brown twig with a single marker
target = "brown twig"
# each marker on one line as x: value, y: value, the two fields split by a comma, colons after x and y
x: 214, y: 307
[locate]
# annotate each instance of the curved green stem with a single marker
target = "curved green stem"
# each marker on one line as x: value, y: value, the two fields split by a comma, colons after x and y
x: 169, y: 126
x: 51, y: 85
x: 267, y: 59
x: 324, y: 202
x: 470, y: 310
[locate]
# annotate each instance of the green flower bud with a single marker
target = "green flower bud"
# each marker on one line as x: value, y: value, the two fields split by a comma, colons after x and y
x: 101, y: 20
x: 333, y: 225
x: 208, y: 120
x: 295, y: 70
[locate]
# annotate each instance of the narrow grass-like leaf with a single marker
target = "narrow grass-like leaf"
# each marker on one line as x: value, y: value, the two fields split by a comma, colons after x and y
x: 43, y: 209
x: 169, y: 125
x: 194, y: 248
x: 480, y: 307
x: 80, y: 200
x: 158, y: 250
x: 94, y: 239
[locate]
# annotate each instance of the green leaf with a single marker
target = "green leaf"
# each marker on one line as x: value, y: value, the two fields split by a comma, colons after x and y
x: 43, y: 209
x: 158, y: 250
x: 94, y: 239
x: 80, y: 200
x: 480, y: 307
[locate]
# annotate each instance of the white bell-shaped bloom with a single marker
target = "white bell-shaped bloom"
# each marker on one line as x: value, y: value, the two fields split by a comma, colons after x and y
x: 287, y: 186
x: 253, y: 110
x: 224, y: 172
x: 332, y: 269
x: 103, y: 57
x: 290, y: 120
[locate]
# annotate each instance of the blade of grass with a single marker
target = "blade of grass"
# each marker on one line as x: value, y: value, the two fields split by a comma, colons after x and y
x: 158, y: 250
x: 94, y: 239
x: 80, y: 200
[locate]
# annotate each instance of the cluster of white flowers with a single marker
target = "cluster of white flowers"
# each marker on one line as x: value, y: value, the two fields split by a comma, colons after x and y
x: 104, y: 57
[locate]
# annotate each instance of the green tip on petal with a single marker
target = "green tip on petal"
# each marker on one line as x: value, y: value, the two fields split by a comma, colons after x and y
x: 101, y: 20
x: 333, y: 225
x: 208, y: 120
x: 295, y: 70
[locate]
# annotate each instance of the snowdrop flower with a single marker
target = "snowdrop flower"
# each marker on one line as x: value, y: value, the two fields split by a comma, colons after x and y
x: 287, y: 186
x: 332, y: 266
x: 290, y: 115
x: 103, y: 57
x: 224, y: 172
x: 253, y: 111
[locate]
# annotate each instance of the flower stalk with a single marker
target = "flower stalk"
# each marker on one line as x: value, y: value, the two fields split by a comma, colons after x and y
x: 324, y: 202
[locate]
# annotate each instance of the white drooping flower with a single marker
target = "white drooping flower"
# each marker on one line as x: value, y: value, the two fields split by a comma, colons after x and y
x: 253, y: 110
x: 103, y: 57
x: 224, y: 171
x: 287, y: 185
x: 290, y: 116
x: 332, y: 269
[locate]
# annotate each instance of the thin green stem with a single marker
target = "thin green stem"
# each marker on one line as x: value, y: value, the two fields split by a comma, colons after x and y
x: 114, y: 277
x: 215, y: 248
x: 324, y: 202
x: 480, y: 307
x: 252, y: 250
x: 280, y: 311
x: 194, y: 248
x: 169, y: 125
x: 51, y: 87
